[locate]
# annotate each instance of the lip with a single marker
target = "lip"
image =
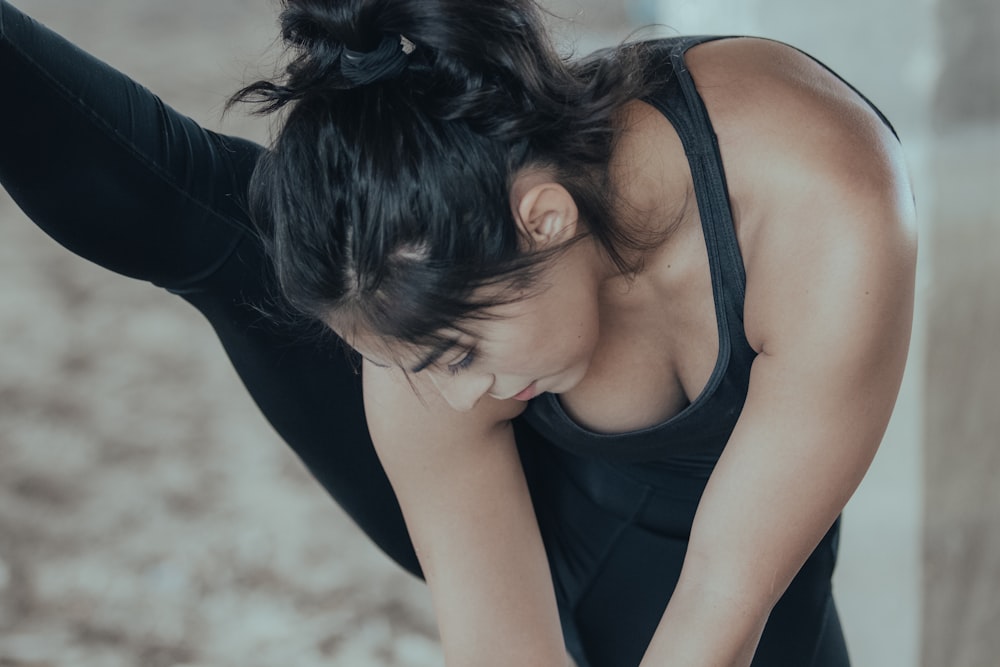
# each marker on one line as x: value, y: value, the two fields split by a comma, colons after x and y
x: 527, y: 393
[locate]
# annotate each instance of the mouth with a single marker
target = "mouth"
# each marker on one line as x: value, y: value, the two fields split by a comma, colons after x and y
x: 527, y: 393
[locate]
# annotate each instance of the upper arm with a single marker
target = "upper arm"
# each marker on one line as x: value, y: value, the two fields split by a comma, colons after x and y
x: 465, y: 500
x: 832, y: 326
x: 829, y: 248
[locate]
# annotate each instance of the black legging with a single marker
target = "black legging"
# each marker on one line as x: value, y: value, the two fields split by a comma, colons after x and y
x: 117, y: 177
x: 114, y: 175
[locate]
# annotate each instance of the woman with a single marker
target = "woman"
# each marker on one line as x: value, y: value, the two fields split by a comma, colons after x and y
x: 629, y: 329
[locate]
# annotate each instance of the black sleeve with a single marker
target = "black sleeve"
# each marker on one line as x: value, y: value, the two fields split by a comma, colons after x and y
x: 107, y: 169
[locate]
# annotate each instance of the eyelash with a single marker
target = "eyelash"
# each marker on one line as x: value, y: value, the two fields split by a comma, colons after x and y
x: 463, y: 363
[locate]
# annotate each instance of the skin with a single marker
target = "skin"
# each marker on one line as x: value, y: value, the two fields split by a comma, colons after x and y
x: 824, y: 219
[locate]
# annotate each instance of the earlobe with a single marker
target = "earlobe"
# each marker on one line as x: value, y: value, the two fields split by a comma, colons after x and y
x: 546, y: 213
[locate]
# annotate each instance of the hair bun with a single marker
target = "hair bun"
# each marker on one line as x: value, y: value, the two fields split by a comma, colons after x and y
x: 387, y: 61
x: 335, y: 46
x: 341, y: 44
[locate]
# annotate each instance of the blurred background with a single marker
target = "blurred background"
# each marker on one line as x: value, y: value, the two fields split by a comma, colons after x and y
x: 149, y: 516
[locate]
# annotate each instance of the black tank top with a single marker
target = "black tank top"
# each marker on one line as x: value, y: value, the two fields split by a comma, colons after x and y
x: 695, y: 437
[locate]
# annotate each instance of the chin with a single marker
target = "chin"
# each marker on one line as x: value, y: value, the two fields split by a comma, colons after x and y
x: 567, y: 380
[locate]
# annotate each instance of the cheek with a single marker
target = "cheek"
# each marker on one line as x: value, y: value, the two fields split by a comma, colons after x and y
x: 581, y: 324
x: 572, y: 338
x: 545, y: 337
x: 584, y: 332
x: 581, y: 342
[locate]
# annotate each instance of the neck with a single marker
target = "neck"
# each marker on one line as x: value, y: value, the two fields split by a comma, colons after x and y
x: 651, y: 179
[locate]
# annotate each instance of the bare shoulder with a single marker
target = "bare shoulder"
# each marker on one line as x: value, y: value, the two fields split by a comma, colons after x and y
x: 780, y: 112
x: 817, y: 180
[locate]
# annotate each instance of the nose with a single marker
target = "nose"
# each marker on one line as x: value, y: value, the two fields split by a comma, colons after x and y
x: 462, y: 392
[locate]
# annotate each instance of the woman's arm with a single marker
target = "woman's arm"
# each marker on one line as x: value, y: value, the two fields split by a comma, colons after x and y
x: 829, y: 245
x: 465, y: 500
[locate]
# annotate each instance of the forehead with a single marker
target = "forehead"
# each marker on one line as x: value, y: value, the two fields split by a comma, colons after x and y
x: 508, y: 309
x: 496, y: 325
x: 383, y: 351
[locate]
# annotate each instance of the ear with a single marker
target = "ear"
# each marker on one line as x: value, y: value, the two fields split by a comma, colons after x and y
x: 545, y: 211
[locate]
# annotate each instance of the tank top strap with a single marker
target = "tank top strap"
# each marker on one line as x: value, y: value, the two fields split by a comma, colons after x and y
x: 679, y: 101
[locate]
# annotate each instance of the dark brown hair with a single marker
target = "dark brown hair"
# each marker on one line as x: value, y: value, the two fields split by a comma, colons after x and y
x: 387, y: 187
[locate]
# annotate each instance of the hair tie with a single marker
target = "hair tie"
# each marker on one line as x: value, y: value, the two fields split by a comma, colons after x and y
x: 387, y: 61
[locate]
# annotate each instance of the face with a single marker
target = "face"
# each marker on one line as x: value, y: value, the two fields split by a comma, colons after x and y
x: 541, y: 343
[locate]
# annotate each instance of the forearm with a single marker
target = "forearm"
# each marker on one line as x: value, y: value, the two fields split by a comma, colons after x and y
x: 495, y: 604
x: 466, y: 502
x: 707, y: 626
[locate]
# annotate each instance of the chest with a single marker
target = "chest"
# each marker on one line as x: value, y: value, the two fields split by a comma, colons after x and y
x: 654, y: 356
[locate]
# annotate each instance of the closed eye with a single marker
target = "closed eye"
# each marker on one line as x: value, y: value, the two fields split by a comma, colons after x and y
x: 463, y: 363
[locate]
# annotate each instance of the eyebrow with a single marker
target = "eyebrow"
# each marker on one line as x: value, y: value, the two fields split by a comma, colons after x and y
x: 436, y: 353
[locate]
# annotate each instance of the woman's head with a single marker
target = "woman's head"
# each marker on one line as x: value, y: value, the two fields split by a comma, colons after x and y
x: 389, y: 185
